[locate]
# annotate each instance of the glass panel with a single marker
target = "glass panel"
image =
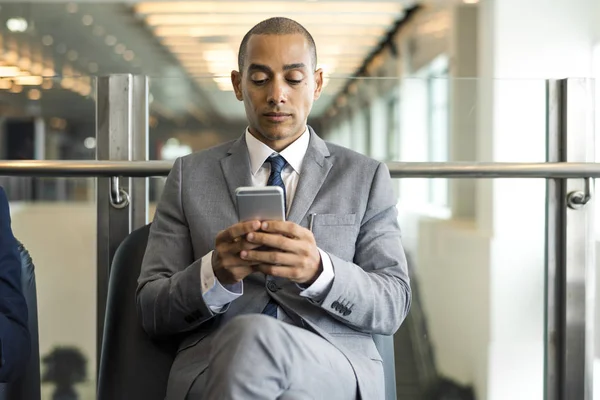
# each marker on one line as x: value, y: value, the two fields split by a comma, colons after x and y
x: 53, y: 118
x: 59, y: 231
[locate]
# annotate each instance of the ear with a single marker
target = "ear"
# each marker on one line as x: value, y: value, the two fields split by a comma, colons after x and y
x: 318, y: 83
x: 236, y: 81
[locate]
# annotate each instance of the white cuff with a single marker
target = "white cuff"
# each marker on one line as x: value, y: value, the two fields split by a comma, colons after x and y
x: 319, y: 289
x: 215, y: 295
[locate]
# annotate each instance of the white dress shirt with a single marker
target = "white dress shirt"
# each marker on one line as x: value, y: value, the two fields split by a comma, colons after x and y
x: 216, y: 295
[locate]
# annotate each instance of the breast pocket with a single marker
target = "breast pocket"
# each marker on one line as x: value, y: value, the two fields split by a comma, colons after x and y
x: 336, y: 233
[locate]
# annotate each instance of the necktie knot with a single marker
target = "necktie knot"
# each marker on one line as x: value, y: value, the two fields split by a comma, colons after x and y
x: 277, y: 164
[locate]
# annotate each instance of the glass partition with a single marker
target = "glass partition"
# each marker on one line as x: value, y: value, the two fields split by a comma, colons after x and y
x: 46, y: 117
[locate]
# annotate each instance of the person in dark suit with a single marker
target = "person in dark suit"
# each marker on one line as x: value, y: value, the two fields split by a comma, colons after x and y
x: 15, y: 344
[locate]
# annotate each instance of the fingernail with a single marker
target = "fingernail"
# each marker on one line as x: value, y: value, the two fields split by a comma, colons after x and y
x: 256, y: 224
x: 243, y: 254
x: 265, y: 225
x: 250, y: 236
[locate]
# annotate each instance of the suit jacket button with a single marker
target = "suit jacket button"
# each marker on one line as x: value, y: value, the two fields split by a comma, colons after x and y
x: 272, y: 286
x: 335, y: 305
x: 347, y: 312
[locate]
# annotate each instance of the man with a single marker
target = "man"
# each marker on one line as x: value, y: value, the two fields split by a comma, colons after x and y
x: 294, y: 321
x: 15, y: 346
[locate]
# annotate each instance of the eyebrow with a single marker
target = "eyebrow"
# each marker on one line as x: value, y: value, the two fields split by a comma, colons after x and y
x: 264, y: 68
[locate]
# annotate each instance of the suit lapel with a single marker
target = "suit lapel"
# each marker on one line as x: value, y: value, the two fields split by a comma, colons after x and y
x: 315, y: 167
x: 236, y: 167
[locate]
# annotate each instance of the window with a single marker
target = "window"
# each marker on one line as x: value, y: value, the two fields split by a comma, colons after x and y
x: 393, y: 129
x: 438, y: 127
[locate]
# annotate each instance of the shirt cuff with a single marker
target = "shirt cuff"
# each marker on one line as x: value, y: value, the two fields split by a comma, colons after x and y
x: 319, y: 289
x: 215, y: 295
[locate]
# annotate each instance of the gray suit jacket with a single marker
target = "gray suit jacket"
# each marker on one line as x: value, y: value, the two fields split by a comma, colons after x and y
x: 356, y: 224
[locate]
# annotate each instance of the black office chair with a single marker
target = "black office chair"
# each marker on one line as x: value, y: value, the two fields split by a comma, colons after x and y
x: 28, y: 387
x: 133, y: 366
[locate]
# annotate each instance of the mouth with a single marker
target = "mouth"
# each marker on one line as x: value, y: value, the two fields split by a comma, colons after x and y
x: 277, y: 116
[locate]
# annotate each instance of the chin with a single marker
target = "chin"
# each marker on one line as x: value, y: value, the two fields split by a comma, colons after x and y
x: 274, y: 133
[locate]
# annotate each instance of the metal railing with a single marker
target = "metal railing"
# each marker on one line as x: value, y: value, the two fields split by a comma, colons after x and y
x: 82, y: 168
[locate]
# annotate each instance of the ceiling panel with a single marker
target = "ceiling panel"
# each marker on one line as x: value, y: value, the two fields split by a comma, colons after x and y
x: 204, y: 36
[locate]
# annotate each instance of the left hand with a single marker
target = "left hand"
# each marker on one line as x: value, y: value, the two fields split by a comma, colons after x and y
x: 293, y: 252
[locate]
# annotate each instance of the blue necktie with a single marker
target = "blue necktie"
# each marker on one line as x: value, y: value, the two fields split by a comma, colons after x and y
x: 277, y: 165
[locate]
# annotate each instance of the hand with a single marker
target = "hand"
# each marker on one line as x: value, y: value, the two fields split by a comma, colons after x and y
x: 293, y: 252
x: 227, y: 265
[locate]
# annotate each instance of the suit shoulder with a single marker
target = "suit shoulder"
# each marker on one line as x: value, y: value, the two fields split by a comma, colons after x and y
x: 207, y: 155
x: 346, y: 156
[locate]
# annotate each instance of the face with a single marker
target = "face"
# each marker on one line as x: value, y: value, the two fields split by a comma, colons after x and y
x: 278, y: 87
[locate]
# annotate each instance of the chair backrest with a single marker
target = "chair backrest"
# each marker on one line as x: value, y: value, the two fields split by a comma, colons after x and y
x: 28, y: 387
x: 133, y: 366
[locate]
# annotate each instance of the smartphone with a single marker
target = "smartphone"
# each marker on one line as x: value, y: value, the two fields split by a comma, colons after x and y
x: 264, y: 203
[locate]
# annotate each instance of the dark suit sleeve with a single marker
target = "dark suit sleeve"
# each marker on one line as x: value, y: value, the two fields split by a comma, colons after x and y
x: 372, y: 294
x: 15, y: 344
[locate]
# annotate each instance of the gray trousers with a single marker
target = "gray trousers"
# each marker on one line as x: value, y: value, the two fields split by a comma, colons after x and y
x: 258, y: 357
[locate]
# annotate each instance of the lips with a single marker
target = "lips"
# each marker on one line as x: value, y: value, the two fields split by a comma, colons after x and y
x: 277, y: 116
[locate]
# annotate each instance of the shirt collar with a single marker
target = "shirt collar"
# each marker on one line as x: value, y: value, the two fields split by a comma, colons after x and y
x: 293, y: 154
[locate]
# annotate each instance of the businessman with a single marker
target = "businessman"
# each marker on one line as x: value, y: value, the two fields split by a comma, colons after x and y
x: 14, y: 334
x: 294, y: 321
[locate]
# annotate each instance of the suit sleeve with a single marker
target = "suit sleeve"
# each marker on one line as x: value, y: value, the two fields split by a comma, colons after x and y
x: 15, y: 346
x: 169, y: 294
x: 372, y: 294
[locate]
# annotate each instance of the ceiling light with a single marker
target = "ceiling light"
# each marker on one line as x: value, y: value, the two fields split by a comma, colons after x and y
x: 16, y: 24
x: 5, y: 83
x: 110, y: 40
x: 47, y: 40
x: 93, y: 67
x: 16, y: 89
x: 72, y: 55
x: 47, y: 84
x: 72, y: 8
x: 87, y: 20
x: 258, y: 7
x: 90, y: 143
x: 128, y: 55
x: 120, y: 48
x: 248, y: 20
x: 28, y: 80
x: 34, y: 94
x: 209, y: 31
x: 470, y: 1
x: 8, y: 71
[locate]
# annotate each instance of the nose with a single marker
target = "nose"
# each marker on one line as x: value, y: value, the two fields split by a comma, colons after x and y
x: 277, y: 92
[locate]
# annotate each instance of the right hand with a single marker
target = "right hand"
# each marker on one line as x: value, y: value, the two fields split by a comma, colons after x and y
x: 227, y: 265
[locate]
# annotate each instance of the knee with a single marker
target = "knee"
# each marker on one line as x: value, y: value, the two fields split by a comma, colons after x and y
x: 249, y: 328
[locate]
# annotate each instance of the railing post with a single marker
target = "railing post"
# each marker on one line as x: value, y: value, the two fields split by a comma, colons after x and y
x: 570, y: 249
x: 121, y: 134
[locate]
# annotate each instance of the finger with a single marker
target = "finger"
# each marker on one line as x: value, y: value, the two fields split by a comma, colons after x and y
x: 285, y: 228
x: 278, y: 270
x: 275, y: 241
x: 237, y: 230
x: 270, y: 257
x: 237, y: 246
x: 233, y: 262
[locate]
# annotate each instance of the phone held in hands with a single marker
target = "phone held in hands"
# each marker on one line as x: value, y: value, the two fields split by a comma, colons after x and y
x: 264, y: 203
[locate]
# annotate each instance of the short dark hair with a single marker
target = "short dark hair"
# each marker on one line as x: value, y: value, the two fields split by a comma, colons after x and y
x: 276, y: 26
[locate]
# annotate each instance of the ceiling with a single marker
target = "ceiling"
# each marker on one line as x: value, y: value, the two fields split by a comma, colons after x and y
x: 187, y: 48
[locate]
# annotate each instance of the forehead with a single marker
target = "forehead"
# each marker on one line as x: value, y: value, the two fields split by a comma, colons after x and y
x: 275, y: 51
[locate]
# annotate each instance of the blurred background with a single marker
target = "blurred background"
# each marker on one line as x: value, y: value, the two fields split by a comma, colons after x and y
x: 439, y: 80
